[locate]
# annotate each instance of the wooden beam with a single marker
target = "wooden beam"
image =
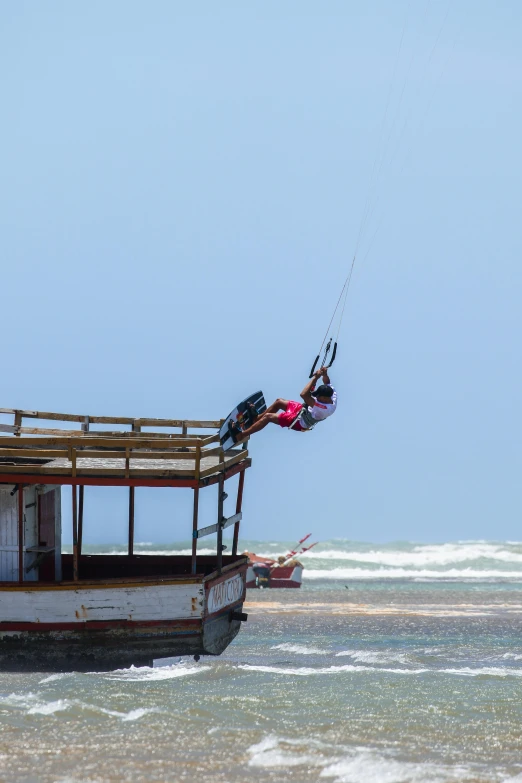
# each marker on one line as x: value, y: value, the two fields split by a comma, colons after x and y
x: 227, y: 522
x: 214, y: 452
x: 14, y: 410
x: 12, y: 475
x: 193, y: 424
x: 20, y: 532
x: 221, y: 500
x: 50, y: 431
x: 195, y: 512
x: 133, y: 452
x: 164, y: 471
x: 23, y: 452
x: 227, y: 463
x: 94, y: 480
x: 80, y: 520
x: 239, y: 503
x: 131, y: 522
x: 82, y: 417
x: 75, y: 532
x: 197, y: 465
x: 207, y: 531
x: 7, y: 428
x: 120, y: 441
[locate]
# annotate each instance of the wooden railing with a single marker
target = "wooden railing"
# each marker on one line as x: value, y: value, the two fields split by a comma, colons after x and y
x: 17, y: 428
x: 70, y: 449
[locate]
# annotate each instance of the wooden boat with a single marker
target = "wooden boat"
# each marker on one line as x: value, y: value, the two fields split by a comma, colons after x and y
x: 264, y: 572
x: 79, y: 611
x: 286, y: 571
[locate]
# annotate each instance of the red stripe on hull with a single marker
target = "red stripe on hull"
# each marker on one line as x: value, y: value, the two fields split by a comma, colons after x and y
x: 97, y: 625
x: 275, y: 583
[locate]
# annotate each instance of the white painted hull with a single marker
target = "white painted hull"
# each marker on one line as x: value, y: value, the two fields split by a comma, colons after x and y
x: 57, y: 605
x: 67, y: 626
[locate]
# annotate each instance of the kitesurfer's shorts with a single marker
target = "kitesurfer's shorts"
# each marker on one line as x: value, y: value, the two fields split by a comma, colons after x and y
x: 285, y: 418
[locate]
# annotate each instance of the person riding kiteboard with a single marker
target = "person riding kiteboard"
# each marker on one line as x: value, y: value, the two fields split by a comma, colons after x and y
x: 318, y: 404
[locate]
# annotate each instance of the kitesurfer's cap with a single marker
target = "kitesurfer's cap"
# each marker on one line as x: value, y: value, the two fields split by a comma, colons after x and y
x: 323, y: 391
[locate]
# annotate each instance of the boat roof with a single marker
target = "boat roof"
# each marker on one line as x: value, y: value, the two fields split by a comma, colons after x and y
x: 82, y: 454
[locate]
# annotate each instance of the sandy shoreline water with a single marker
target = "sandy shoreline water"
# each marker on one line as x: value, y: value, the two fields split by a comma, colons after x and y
x: 463, y: 610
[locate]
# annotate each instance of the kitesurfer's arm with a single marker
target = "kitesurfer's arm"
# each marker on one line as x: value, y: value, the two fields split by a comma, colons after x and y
x: 326, y: 377
x: 306, y: 394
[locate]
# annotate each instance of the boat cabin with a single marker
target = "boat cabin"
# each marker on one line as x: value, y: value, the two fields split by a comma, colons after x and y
x: 66, y: 611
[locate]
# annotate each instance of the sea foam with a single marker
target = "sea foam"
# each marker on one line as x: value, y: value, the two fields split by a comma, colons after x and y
x: 269, y: 754
x: 455, y: 574
x: 372, y: 767
x: 149, y: 674
x: 299, y: 649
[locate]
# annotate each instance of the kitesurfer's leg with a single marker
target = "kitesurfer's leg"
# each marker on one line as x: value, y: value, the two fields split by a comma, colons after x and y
x: 279, y: 405
x: 260, y: 424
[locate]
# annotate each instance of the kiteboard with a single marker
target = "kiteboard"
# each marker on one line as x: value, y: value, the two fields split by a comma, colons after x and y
x: 244, y: 414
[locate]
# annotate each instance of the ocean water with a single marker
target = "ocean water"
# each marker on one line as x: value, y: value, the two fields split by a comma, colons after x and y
x: 397, y: 663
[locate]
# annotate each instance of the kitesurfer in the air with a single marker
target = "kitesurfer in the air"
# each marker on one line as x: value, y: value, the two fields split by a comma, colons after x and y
x: 317, y: 405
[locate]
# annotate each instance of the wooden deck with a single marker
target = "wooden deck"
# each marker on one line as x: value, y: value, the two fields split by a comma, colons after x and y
x: 73, y: 454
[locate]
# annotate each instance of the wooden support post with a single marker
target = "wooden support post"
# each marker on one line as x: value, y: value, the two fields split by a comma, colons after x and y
x: 20, y: 532
x: 75, y: 532
x: 239, y: 503
x: 195, y: 528
x: 197, y: 464
x: 221, y: 492
x: 80, y: 520
x: 131, y: 522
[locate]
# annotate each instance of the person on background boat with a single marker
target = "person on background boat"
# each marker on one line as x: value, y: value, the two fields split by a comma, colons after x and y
x: 318, y: 404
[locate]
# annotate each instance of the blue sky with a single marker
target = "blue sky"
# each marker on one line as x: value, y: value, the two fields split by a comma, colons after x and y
x: 182, y: 189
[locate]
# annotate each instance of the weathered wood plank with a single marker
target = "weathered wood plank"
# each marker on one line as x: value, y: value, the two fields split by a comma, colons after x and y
x: 106, y: 454
x: 155, y: 602
x: 86, y: 452
x: 130, y: 420
x: 43, y: 454
x: 226, y: 464
x: 100, y: 433
x: 212, y: 452
x: 239, y: 503
x: 195, y: 511
x: 226, y: 522
x: 112, y: 443
x: 81, y: 471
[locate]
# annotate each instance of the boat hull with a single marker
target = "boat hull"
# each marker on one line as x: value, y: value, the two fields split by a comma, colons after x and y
x: 101, y: 627
x: 280, y: 576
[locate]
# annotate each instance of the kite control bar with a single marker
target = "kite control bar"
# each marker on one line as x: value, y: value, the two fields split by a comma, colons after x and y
x: 325, y: 357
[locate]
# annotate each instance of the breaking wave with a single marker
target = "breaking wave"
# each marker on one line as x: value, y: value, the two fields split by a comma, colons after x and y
x: 311, y: 671
x: 340, y: 559
x: 156, y: 673
x: 352, y: 766
x: 457, y: 574
x: 299, y: 649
